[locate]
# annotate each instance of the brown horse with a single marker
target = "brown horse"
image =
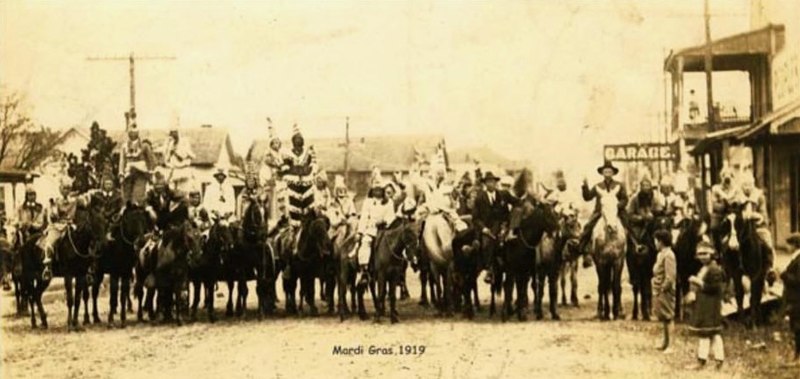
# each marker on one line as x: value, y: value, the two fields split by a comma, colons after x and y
x: 397, y: 245
x: 344, y: 241
x: 570, y: 234
x: 548, y: 259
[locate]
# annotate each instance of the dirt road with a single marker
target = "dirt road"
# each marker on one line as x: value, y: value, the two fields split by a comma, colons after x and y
x: 283, y: 347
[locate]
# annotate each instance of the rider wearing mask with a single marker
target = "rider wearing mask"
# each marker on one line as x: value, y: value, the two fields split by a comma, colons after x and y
x: 607, y: 187
x: 755, y: 208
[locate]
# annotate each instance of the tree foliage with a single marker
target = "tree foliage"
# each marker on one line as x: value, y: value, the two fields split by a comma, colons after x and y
x: 23, y: 145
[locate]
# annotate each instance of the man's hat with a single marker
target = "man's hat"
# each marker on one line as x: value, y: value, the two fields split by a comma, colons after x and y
x: 490, y: 176
x: 794, y: 240
x: 220, y: 172
x: 607, y: 164
x: 705, y: 247
x: 158, y: 178
x: 322, y: 175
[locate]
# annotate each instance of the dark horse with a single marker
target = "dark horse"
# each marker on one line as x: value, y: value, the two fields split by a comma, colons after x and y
x: 180, y: 244
x: 75, y: 263
x: 205, y: 270
x: 33, y: 284
x: 314, y: 243
x: 690, y: 231
x: 344, y: 241
x: 744, y: 254
x: 470, y: 256
x: 548, y: 258
x: 640, y: 260
x: 518, y: 262
x: 12, y: 264
x: 117, y: 259
x: 253, y: 259
x: 394, y: 247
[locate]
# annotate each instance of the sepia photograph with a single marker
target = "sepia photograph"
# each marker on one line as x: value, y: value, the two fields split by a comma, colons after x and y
x: 400, y: 189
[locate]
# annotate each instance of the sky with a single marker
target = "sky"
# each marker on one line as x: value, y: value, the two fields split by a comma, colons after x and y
x: 524, y: 78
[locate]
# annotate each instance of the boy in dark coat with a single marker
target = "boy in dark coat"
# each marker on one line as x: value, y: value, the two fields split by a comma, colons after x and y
x: 707, y: 289
x: 791, y: 291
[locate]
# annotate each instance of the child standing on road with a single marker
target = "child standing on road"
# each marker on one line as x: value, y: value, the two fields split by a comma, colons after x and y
x: 664, y: 273
x: 791, y: 292
x: 706, y: 292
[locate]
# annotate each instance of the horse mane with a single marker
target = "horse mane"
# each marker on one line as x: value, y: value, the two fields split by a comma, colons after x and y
x: 523, y: 184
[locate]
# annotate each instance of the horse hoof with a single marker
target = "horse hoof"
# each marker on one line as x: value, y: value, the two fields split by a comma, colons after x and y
x: 539, y: 317
x: 556, y: 317
x: 363, y: 316
x: 394, y: 320
x: 424, y: 303
x: 86, y: 321
x: 123, y: 325
x: 96, y: 319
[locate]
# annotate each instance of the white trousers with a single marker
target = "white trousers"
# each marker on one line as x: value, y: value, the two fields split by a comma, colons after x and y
x: 714, y: 344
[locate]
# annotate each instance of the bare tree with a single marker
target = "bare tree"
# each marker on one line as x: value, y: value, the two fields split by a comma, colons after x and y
x: 23, y: 145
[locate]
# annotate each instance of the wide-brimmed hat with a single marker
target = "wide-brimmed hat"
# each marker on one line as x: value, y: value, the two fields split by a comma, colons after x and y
x: 607, y: 164
x: 705, y: 247
x: 490, y: 176
x: 220, y: 172
x: 794, y: 240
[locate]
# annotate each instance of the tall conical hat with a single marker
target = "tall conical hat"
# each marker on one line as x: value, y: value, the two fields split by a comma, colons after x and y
x: 296, y: 130
x: 322, y: 175
x: 271, y: 131
x: 375, y: 179
x: 644, y: 176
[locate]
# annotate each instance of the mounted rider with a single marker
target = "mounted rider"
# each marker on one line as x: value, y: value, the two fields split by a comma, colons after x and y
x: 377, y: 213
x: 178, y: 157
x: 60, y: 216
x: 607, y: 187
x: 558, y: 196
x: 220, y: 199
x: 322, y: 193
x: 300, y: 169
x: 754, y: 202
x: 108, y: 204
x: 31, y: 220
x: 644, y: 206
x: 723, y: 196
x: 666, y: 197
x: 491, y: 215
x: 342, y: 209
x: 198, y: 214
x: 252, y: 194
x: 136, y: 161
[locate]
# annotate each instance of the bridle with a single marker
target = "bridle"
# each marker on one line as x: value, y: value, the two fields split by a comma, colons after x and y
x: 75, y: 248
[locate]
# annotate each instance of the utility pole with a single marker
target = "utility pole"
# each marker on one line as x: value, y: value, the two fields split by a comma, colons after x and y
x: 347, y: 150
x: 709, y: 69
x: 130, y: 116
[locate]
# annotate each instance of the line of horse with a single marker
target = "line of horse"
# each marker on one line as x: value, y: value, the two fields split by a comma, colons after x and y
x: 449, y: 263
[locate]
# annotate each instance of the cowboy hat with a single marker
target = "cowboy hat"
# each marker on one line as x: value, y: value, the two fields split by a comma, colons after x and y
x: 490, y: 176
x: 794, y: 240
x: 220, y: 172
x: 607, y: 164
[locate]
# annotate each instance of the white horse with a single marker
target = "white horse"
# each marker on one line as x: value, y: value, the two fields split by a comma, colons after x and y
x: 608, y: 250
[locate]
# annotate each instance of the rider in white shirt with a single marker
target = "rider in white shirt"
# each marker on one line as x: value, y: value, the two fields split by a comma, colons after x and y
x: 220, y: 198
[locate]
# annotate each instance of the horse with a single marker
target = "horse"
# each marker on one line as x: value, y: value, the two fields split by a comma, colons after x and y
x: 205, y: 270
x: 608, y: 245
x: 640, y: 259
x: 548, y: 259
x: 33, y: 284
x: 470, y: 256
x: 76, y: 264
x: 118, y: 258
x: 437, y: 237
x: 179, y: 246
x: 690, y: 231
x: 744, y: 254
x: 344, y: 241
x: 570, y: 234
x: 388, y: 263
x: 313, y: 244
x: 144, y: 288
x: 13, y: 266
x: 253, y: 259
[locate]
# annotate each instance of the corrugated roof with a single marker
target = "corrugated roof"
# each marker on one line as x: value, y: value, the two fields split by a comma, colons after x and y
x: 389, y: 153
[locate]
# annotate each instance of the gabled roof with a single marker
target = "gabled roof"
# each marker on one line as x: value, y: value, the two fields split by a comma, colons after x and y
x: 207, y: 142
x: 388, y: 153
x: 733, y: 52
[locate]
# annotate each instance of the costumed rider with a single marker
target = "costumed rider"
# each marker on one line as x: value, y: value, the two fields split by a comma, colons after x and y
x: 666, y: 197
x: 322, y: 193
x: 178, y: 157
x: 299, y: 175
x: 220, y: 198
x: 252, y: 194
x: 607, y: 187
x: 558, y: 196
x: 342, y: 210
x: 754, y: 203
x: 60, y: 215
x: 723, y: 196
x: 683, y: 206
x: 137, y: 162
x: 642, y: 210
x: 377, y: 213
x: 270, y: 175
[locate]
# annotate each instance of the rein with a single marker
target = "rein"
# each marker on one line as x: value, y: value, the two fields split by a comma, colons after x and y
x: 75, y: 248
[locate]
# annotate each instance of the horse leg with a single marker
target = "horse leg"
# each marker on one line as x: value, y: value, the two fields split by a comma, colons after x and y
x: 756, y: 293
x: 330, y: 290
x: 636, y: 293
x: 394, y: 282
x: 124, y: 299
x: 466, y: 295
x: 600, y: 289
x: 148, y: 303
x: 341, y: 278
x: 229, y: 307
x: 522, y: 304
x: 647, y: 298
x: 552, y: 286
x: 423, y: 281
x: 616, y: 287
x: 177, y: 291
x: 311, y: 296
x: 380, y: 304
x: 29, y: 291
x: 82, y: 291
x: 573, y: 278
x: 241, y: 304
x: 538, y: 292
x: 739, y: 289
x: 70, y: 300
x: 362, y: 310
x: 508, y: 295
x: 563, y: 283
x: 95, y: 294
x: 197, y: 285
x: 139, y: 294
x: 404, y: 294
x: 38, y: 292
x: 112, y: 300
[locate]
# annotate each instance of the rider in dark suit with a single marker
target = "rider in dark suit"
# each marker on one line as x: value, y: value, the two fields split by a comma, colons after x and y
x: 491, y: 213
x: 107, y: 204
